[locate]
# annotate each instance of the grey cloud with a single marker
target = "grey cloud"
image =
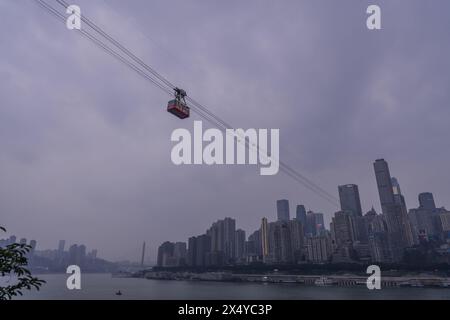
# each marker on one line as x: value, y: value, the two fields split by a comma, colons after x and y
x: 85, y: 143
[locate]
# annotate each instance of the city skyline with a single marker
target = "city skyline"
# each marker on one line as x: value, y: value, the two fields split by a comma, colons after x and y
x: 395, y: 235
x: 85, y: 143
x: 283, y: 211
x: 57, y: 260
x: 349, y: 202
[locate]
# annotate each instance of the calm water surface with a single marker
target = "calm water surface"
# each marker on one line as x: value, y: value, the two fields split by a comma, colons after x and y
x: 103, y: 286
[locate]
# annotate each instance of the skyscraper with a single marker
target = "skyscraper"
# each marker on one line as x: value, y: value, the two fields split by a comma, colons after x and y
x: 399, y: 231
x: 61, y: 245
x: 174, y: 254
x: 240, y: 245
x: 395, y: 186
x: 203, y: 244
x: 81, y: 255
x: 192, y: 252
x: 165, y: 251
x: 265, y: 239
x: 297, y: 238
x: 318, y: 249
x: 77, y: 254
x: 444, y: 223
x: 143, y: 254
x: 379, y: 247
x: 344, y: 228
x: 253, y: 247
x: 287, y: 254
x: 349, y: 199
x: 423, y: 221
x: 180, y: 253
x: 223, y: 239
x: 314, y: 224
x: 73, y: 254
x: 199, y: 251
x: 280, y: 247
x: 399, y: 199
x: 300, y: 214
x: 425, y: 218
x: 229, y: 239
x: 384, y: 184
x: 311, y: 224
x: 320, y: 223
x: 426, y: 201
x: 283, y: 210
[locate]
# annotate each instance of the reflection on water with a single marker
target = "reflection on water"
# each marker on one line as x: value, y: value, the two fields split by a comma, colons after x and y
x: 103, y: 286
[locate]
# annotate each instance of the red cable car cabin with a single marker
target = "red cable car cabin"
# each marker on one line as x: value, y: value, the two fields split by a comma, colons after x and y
x: 178, y: 109
x: 178, y: 106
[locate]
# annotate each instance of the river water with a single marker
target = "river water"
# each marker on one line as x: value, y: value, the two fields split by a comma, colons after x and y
x: 103, y: 286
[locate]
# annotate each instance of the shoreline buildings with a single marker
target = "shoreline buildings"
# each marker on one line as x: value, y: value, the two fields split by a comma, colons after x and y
x: 396, y: 235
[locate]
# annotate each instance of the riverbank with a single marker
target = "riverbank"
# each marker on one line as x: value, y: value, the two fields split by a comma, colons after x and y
x: 319, y: 280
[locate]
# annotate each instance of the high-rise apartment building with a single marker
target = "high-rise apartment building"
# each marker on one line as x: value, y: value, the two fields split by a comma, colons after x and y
x: 426, y: 201
x: 265, y: 239
x: 282, y: 210
x: 349, y: 199
x: 300, y: 214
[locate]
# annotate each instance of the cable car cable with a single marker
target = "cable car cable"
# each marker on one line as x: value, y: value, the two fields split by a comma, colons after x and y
x: 120, y: 46
x: 198, y: 108
x: 139, y: 61
x: 286, y: 166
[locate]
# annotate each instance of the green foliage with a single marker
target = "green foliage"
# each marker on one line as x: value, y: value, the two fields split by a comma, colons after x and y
x: 13, y: 262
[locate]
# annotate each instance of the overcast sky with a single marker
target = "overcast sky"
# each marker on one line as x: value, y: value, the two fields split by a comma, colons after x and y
x: 85, y: 142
